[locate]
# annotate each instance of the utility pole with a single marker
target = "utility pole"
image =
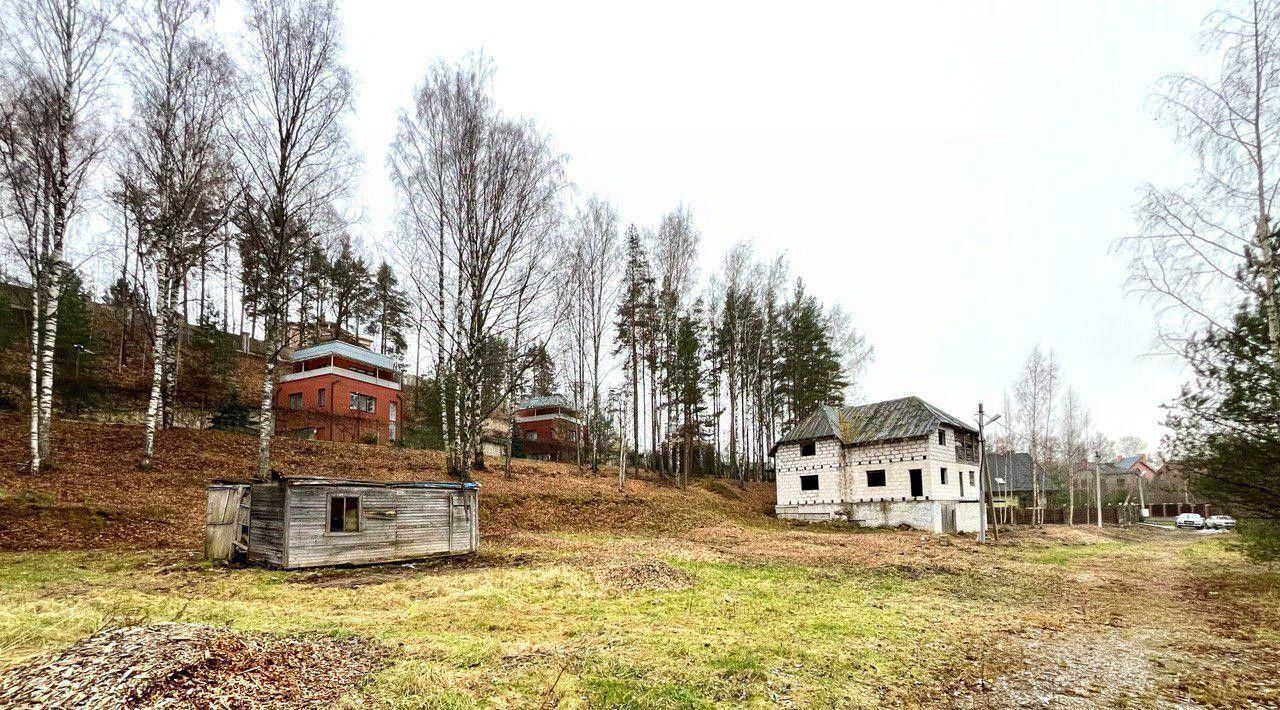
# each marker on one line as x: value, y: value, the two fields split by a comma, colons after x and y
x: 1097, y: 484
x: 984, y: 483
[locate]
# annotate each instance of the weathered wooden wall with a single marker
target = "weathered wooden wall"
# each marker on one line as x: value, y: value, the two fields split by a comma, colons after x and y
x: 290, y: 524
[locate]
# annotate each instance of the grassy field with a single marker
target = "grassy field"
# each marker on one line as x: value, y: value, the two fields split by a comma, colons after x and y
x: 726, y: 617
x: 584, y: 596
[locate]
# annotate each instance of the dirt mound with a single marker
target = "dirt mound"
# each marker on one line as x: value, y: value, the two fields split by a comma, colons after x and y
x: 189, y: 665
x: 644, y: 574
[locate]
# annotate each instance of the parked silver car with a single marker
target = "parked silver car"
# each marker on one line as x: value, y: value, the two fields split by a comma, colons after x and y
x: 1220, y: 522
x: 1190, y: 520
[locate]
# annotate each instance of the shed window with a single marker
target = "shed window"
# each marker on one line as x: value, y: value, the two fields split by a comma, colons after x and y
x: 809, y: 483
x: 808, y: 449
x: 942, y: 437
x: 363, y: 402
x: 295, y: 400
x: 875, y: 478
x: 944, y: 476
x: 344, y: 514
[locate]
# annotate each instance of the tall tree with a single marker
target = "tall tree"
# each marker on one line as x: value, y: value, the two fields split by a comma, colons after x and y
x: 596, y: 256
x: 479, y: 195
x: 391, y: 309
x: 56, y: 55
x: 1226, y: 430
x: 351, y: 289
x: 294, y: 158
x: 179, y: 176
x: 1201, y: 247
x: 635, y: 320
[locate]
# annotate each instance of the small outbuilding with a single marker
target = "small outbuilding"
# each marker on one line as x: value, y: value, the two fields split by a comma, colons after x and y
x: 296, y: 522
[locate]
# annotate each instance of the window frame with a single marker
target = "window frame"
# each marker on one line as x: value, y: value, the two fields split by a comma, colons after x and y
x: 359, y: 514
x: 884, y: 478
x: 357, y: 401
x: 942, y: 436
x: 295, y: 397
x: 321, y: 394
x: 817, y: 484
x: 943, y: 476
x: 809, y: 448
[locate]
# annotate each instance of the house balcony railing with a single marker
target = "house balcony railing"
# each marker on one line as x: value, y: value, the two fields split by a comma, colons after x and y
x: 966, y: 454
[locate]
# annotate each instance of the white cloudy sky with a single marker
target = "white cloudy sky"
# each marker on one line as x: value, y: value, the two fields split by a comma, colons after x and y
x: 953, y: 173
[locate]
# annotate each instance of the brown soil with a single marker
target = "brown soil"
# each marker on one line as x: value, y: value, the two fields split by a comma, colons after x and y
x: 644, y: 574
x: 189, y: 665
x: 96, y: 496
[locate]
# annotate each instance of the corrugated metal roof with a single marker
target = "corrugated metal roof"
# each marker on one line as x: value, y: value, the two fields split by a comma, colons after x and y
x: 891, y: 420
x: 1015, y: 469
x: 1128, y: 463
x: 347, y: 350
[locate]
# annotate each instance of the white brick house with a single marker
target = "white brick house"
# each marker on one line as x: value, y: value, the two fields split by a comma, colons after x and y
x: 890, y: 463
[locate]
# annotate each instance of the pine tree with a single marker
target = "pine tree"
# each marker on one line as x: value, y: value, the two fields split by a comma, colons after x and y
x: 392, y: 309
x: 635, y: 321
x: 352, y: 290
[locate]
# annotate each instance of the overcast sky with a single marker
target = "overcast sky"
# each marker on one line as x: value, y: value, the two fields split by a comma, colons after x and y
x: 953, y: 173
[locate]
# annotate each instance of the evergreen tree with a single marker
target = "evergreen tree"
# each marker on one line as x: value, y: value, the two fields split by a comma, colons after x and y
x: 1226, y: 428
x: 392, y: 309
x: 635, y: 321
x: 352, y: 289
x: 808, y: 371
x: 543, y: 372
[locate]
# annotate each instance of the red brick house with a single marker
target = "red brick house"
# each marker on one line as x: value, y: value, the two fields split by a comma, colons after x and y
x: 337, y: 391
x: 550, y: 428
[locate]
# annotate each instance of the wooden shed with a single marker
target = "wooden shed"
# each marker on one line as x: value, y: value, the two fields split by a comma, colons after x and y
x: 310, y: 522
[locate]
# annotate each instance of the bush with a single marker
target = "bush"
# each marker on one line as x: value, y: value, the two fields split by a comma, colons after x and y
x: 369, y: 438
x: 233, y: 415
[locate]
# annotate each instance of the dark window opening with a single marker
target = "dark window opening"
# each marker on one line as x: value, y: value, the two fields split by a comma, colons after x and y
x: 944, y: 476
x: 808, y: 449
x: 942, y: 437
x: 320, y: 401
x: 917, y: 482
x: 809, y: 483
x: 875, y: 478
x: 971, y: 479
x: 295, y: 400
x: 344, y: 514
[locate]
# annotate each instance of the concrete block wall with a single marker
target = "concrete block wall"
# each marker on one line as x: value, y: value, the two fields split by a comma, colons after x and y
x: 825, y: 463
x: 944, y: 456
x: 895, y: 458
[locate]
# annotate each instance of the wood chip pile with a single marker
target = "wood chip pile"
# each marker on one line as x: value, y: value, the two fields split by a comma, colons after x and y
x: 188, y: 665
x: 645, y: 574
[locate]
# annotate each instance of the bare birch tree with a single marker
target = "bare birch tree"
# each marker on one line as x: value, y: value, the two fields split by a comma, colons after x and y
x: 56, y: 52
x: 1073, y: 426
x: 294, y: 158
x: 479, y: 199
x: 1203, y: 247
x: 179, y: 172
x: 597, y: 277
x: 1033, y: 396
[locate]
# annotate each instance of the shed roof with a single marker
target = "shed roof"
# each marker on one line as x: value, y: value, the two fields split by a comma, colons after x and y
x: 891, y: 420
x: 347, y: 350
x: 326, y: 481
x: 1016, y: 469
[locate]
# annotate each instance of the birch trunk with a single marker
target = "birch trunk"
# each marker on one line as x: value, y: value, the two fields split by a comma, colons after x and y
x: 266, y: 412
x: 53, y: 282
x: 158, y: 348
x: 34, y: 364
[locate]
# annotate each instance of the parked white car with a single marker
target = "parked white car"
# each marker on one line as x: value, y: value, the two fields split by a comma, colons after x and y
x: 1190, y: 520
x: 1220, y: 522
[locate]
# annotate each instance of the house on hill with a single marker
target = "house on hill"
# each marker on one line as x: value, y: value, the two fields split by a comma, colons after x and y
x: 338, y: 391
x: 899, y: 462
x: 551, y: 428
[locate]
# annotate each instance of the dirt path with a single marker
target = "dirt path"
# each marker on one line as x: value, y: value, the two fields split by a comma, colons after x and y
x: 1146, y: 628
